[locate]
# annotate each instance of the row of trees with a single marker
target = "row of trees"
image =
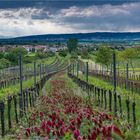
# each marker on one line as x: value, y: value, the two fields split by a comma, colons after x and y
x: 104, y: 55
x: 11, y: 57
x: 74, y: 49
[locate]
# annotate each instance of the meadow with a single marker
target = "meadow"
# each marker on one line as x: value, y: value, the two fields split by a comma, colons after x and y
x: 67, y: 99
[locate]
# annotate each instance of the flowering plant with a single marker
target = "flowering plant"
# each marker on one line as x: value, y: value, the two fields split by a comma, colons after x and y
x: 63, y: 115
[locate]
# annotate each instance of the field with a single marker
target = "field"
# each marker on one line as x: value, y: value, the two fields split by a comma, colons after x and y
x: 68, y: 98
x: 69, y: 69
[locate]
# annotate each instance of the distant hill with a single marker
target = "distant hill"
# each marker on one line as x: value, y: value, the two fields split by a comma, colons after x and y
x: 98, y: 36
x: 4, y: 37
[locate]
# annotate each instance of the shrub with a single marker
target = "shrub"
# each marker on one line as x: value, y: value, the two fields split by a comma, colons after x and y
x: 74, y: 55
x: 4, y: 63
x: 63, y: 53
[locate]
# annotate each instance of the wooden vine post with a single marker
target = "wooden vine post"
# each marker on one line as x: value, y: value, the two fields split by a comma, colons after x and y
x: 21, y: 90
x: 134, y: 112
x: 15, y: 108
x: 9, y: 111
x: 114, y: 83
x: 77, y: 69
x: 126, y: 80
x: 87, y: 72
x: 40, y: 71
x: 34, y: 73
x: 73, y: 69
x: 128, y: 108
x: 111, y: 73
x: 2, y: 118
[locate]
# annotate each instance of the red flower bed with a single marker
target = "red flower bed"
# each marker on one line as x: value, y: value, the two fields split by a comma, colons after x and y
x: 62, y: 114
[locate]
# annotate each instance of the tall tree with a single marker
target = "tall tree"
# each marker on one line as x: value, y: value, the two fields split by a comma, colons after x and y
x: 13, y: 54
x: 129, y: 54
x: 104, y: 56
x: 72, y: 44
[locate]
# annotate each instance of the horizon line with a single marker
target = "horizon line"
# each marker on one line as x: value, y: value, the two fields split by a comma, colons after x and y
x: 10, y: 37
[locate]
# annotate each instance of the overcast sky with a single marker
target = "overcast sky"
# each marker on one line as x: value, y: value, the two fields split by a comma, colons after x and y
x: 25, y: 17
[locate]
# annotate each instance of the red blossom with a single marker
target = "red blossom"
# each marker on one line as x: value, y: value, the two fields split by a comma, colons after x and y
x: 43, y: 124
x: 73, y: 122
x: 37, y: 131
x: 41, y: 114
x: 95, y: 121
x: 28, y: 132
x: 58, y: 133
x: 46, y: 138
x: 78, y: 121
x: 76, y: 133
x: 49, y: 123
x: 117, y: 131
x: 65, y: 114
x: 93, y: 135
x: 79, y: 138
x: 62, y: 131
x: 48, y: 130
x: 88, y: 116
x: 98, y: 131
x: 60, y: 122
x: 72, y: 127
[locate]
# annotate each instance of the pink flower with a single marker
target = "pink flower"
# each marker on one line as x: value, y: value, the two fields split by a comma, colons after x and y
x: 93, y: 135
x: 48, y: 130
x: 28, y: 132
x: 89, y: 137
x: 53, y: 117
x: 79, y: 138
x: 78, y: 120
x: 76, y: 133
x: 53, y: 132
x: 62, y: 130
x: 72, y: 122
x: 46, y: 138
x: 72, y: 127
x: 117, y: 131
x: 49, y: 123
x: 43, y: 124
x: 88, y: 116
x: 60, y: 122
x: 95, y: 121
x: 41, y: 114
x: 98, y: 131
x: 37, y: 131
x: 58, y: 133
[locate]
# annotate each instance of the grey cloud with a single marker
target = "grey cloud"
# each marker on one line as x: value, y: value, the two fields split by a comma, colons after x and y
x: 25, y: 21
x: 103, y: 18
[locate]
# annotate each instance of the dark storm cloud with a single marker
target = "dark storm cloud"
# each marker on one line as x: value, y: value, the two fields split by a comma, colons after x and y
x: 58, y: 4
x: 39, y: 17
x: 102, y: 18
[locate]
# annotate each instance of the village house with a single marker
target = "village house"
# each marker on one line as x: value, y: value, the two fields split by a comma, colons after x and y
x: 29, y: 48
x: 2, y: 49
x: 40, y: 48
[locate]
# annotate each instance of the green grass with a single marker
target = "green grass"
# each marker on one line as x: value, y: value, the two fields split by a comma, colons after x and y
x: 123, y: 92
x: 31, y: 54
x: 46, y: 61
x: 135, y: 62
x: 130, y: 134
x: 14, y: 89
